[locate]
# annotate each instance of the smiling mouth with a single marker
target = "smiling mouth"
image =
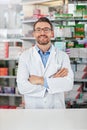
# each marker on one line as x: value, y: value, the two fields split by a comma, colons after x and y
x: 42, y: 36
x: 43, y: 40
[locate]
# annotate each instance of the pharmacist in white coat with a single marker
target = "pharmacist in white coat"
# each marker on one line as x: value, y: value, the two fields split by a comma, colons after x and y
x: 44, y: 72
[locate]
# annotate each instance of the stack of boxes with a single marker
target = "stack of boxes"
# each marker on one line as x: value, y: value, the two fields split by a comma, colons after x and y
x: 4, y: 50
x: 74, y: 94
x: 80, y: 12
x: 3, y: 54
x: 81, y: 72
x: 7, y: 51
x: 77, y: 92
x: 79, y: 31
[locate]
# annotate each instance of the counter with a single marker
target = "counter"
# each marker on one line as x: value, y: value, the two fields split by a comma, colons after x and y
x: 69, y: 119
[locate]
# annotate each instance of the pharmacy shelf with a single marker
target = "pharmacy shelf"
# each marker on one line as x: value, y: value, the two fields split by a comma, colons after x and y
x: 80, y: 80
x: 28, y: 21
x: 10, y: 40
x: 28, y: 38
x: 55, y: 20
x: 34, y: 20
x: 8, y: 77
x: 9, y: 59
x: 10, y: 95
x: 78, y: 62
x: 79, y: 101
x: 70, y: 20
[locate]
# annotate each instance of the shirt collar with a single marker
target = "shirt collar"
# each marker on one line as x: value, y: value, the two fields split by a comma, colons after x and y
x: 38, y: 49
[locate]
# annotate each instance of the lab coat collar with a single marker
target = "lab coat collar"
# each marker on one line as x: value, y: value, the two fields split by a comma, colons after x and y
x: 52, y: 53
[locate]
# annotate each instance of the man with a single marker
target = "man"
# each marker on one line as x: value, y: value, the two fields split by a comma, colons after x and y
x: 44, y: 72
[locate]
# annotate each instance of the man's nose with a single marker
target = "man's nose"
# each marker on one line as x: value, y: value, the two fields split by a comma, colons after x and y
x: 42, y: 31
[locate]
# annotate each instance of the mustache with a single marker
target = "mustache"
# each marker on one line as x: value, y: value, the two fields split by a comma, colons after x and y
x: 42, y: 36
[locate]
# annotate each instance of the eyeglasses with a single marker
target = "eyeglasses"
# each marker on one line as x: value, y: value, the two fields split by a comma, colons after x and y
x: 46, y: 30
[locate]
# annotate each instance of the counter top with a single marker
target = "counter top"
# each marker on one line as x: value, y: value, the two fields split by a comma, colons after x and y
x: 37, y: 119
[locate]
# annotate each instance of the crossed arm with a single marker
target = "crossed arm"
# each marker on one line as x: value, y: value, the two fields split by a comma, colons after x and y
x: 40, y: 80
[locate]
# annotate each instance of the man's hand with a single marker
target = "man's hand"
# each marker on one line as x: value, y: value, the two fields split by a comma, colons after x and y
x: 61, y: 73
x: 36, y: 80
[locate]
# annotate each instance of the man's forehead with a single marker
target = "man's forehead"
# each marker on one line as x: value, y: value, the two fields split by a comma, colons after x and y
x: 42, y: 24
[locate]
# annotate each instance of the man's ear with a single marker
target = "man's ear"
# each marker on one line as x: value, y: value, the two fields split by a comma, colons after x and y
x: 52, y: 34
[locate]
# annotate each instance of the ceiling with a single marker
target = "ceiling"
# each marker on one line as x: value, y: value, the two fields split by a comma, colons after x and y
x: 10, y: 1
x: 44, y: 2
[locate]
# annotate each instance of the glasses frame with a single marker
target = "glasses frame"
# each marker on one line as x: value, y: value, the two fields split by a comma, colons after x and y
x: 46, y: 30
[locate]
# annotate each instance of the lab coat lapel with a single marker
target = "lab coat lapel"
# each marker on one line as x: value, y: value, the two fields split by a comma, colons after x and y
x: 37, y: 56
x: 52, y: 53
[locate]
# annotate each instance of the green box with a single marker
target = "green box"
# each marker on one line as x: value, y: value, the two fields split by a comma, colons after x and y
x: 81, y: 7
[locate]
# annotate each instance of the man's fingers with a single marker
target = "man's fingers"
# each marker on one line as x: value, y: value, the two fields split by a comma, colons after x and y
x: 61, y: 73
x: 64, y: 70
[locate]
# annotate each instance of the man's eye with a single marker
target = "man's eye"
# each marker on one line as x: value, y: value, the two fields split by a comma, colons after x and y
x: 38, y: 30
x: 43, y: 29
x: 46, y: 29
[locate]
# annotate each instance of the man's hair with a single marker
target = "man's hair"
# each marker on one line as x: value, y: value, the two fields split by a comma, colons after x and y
x: 43, y: 19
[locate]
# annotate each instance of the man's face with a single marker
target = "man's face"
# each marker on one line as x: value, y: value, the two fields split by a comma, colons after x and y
x: 43, y: 33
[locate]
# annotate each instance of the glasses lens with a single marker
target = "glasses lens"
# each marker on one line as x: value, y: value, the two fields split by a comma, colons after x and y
x: 38, y: 29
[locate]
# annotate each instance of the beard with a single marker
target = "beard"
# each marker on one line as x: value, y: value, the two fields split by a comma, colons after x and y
x: 43, y: 40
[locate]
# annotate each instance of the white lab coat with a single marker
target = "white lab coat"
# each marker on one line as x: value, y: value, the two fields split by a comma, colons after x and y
x: 36, y: 96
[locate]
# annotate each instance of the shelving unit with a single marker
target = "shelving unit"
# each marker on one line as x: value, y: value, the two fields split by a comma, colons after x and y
x: 9, y: 95
x: 29, y: 40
